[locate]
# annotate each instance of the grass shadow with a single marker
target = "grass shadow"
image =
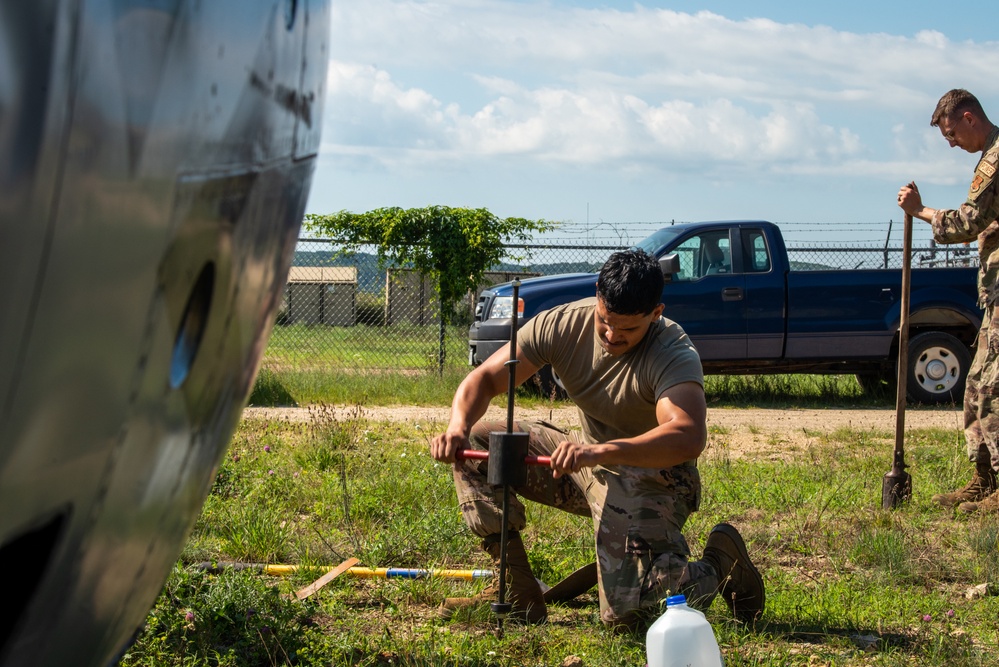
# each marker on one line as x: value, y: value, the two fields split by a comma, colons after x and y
x: 269, y: 391
x: 862, y: 638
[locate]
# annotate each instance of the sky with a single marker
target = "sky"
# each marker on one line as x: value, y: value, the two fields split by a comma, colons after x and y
x: 603, y: 114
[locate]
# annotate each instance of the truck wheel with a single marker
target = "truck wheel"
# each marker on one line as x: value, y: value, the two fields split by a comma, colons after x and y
x: 938, y: 367
x: 543, y: 383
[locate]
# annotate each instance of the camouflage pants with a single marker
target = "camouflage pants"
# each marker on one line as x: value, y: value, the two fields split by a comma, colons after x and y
x: 638, y: 516
x: 981, y: 403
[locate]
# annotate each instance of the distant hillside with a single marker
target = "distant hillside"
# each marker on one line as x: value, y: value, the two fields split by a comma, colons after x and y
x: 565, y: 267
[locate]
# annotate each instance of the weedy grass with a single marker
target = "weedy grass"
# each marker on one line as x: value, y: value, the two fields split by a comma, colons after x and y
x: 848, y: 583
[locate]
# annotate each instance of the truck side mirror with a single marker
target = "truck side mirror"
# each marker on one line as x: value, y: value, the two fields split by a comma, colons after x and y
x: 669, y: 264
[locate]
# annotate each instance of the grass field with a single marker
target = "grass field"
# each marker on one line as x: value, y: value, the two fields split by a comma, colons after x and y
x: 848, y: 583
x: 396, y: 347
x: 292, y: 387
x: 370, y: 365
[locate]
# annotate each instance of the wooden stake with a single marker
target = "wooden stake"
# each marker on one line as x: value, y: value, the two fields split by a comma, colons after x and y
x: 326, y: 578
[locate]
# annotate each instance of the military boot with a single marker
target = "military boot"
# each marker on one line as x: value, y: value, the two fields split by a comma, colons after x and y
x: 981, y: 486
x: 741, y: 584
x: 987, y: 505
x: 522, y: 590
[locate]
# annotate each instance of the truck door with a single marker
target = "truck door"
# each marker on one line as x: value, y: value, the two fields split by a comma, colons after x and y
x: 764, y: 297
x: 707, y: 296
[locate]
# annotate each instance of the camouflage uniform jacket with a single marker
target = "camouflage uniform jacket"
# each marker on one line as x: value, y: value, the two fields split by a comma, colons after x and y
x: 977, y: 219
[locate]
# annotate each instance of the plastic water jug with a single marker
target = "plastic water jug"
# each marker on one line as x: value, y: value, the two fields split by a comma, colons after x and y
x: 682, y: 637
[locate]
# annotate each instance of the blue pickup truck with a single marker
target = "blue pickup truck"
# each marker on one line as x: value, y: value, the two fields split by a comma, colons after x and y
x: 732, y: 288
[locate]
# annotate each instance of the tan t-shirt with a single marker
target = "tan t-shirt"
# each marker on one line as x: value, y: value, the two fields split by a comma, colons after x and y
x: 616, y: 395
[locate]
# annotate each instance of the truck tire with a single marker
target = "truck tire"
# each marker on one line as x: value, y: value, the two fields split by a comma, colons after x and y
x: 938, y: 368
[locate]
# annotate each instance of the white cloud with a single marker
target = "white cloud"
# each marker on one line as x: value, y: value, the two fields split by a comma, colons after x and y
x: 465, y: 80
x: 558, y: 124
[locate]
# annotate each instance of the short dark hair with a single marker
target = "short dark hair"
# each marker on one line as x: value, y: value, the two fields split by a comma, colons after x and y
x: 630, y: 283
x: 956, y: 102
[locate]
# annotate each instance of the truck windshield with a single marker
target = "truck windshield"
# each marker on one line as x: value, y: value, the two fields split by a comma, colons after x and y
x: 652, y: 244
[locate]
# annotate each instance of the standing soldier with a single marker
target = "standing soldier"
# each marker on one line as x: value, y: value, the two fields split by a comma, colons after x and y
x: 963, y: 123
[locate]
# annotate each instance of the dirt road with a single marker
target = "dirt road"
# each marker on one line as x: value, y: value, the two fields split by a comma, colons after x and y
x: 740, y: 431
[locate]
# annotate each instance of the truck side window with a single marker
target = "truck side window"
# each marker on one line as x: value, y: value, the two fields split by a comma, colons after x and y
x: 704, y: 255
x: 756, y: 258
x: 687, y: 252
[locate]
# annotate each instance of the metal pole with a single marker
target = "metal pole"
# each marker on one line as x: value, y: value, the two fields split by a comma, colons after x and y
x: 441, y: 352
x: 896, y: 486
x: 507, y: 442
x: 283, y: 570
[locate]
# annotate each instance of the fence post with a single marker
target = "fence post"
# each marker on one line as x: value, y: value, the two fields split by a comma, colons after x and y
x: 441, y: 352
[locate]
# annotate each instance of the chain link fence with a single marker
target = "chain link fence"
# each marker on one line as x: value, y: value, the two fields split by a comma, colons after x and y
x: 348, y: 313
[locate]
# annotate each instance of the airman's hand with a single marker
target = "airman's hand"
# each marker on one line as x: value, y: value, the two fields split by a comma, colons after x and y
x: 909, y: 199
x: 571, y: 457
x: 444, y: 446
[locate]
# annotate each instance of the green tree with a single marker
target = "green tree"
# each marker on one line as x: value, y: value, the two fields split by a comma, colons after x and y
x: 453, y: 246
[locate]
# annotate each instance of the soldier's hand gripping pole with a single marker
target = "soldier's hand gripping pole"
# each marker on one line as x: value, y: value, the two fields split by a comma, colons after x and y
x: 507, y: 465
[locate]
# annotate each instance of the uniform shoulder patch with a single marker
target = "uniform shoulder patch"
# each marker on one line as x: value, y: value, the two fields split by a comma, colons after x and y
x: 984, y: 173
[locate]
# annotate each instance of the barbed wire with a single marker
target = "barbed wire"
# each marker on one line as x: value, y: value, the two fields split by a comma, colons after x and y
x: 844, y: 234
x: 625, y: 233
